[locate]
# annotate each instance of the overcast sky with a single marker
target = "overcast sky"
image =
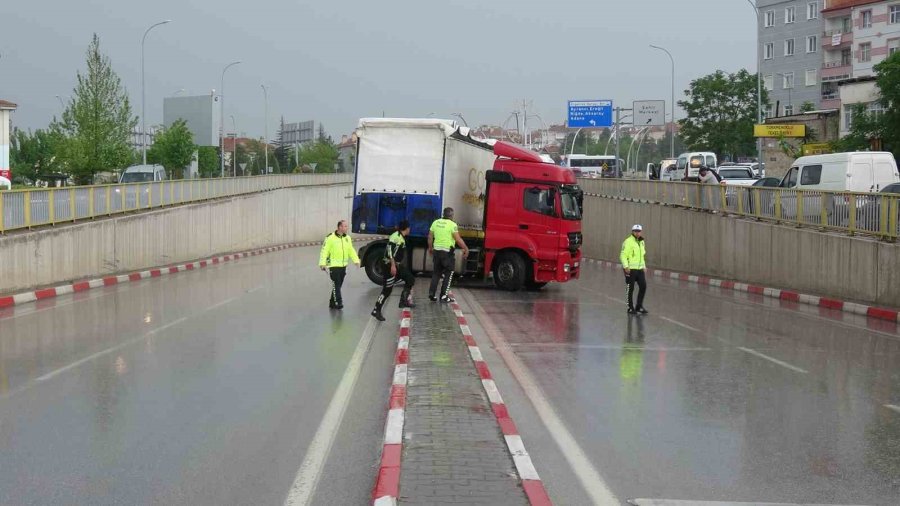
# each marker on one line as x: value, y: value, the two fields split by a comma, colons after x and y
x: 337, y: 61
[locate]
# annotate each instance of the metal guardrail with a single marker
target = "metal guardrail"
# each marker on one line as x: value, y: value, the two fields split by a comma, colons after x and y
x: 876, y: 214
x: 47, y: 206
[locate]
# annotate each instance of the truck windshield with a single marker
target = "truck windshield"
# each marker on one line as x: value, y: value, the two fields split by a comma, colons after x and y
x: 570, y: 200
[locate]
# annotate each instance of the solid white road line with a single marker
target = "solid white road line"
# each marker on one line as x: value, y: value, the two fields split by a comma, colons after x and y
x: 682, y: 325
x: 678, y: 502
x: 773, y: 360
x: 893, y: 407
x: 582, y: 467
x: 107, y: 351
x: 310, y: 471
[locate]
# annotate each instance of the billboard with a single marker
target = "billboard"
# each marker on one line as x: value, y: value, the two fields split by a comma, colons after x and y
x: 199, y: 112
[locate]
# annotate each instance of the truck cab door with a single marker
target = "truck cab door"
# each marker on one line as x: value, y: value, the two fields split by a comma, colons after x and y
x: 537, y: 219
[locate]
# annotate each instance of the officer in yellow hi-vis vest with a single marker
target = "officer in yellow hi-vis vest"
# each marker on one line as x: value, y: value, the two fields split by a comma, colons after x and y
x: 632, y: 258
x: 442, y: 237
x: 337, y: 253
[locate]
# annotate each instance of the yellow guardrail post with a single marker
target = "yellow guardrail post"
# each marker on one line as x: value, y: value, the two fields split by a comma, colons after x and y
x: 51, y: 210
x: 72, y: 209
x: 851, y: 209
x: 723, y: 194
x: 108, y: 199
x: 823, y: 209
x: 883, y: 209
x: 778, y: 205
x: 2, y: 220
x: 739, y: 195
x: 122, y: 191
x: 91, y: 202
x: 894, y: 203
x: 800, y: 198
x: 26, y: 200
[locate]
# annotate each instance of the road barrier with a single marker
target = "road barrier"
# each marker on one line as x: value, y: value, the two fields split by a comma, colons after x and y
x: 22, y: 209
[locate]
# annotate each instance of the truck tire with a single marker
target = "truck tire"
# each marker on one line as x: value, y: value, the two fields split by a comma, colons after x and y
x: 509, y: 272
x: 373, y: 264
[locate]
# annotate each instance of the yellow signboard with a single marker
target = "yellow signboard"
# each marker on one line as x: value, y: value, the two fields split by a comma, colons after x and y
x: 779, y: 131
x: 815, y: 149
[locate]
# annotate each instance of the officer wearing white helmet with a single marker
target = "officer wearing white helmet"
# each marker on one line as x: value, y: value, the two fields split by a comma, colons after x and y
x: 632, y: 258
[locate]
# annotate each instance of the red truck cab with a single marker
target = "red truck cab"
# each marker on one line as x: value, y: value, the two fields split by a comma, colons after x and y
x: 532, y: 220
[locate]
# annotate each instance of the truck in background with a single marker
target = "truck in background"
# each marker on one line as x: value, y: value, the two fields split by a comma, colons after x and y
x: 520, y: 216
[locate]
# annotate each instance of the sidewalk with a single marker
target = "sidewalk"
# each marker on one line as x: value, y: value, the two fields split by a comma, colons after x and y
x: 453, y: 449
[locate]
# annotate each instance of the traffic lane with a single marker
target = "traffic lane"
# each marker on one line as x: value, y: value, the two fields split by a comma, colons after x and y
x: 673, y: 408
x: 219, y: 407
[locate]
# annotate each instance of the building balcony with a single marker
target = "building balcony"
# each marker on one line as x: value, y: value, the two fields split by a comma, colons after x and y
x: 833, y: 103
x: 836, y: 71
x: 835, y: 39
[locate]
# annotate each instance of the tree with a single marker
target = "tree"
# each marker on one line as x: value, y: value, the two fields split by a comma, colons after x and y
x: 283, y: 160
x: 323, y: 154
x: 721, y: 111
x: 98, y: 121
x: 208, y: 161
x: 173, y: 148
x: 869, y: 127
x: 32, y: 154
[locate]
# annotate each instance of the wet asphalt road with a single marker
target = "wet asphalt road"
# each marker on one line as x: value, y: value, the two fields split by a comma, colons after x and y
x: 715, y: 396
x: 205, y: 387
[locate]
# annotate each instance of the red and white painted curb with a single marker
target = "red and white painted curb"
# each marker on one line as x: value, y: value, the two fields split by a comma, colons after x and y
x: 387, y: 484
x: 80, y: 286
x: 531, y: 482
x: 776, y: 293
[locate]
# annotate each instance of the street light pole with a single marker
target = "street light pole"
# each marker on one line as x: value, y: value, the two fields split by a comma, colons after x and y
x: 143, y: 95
x: 233, y: 148
x: 222, y: 116
x: 266, y: 96
x: 672, y: 147
x: 759, y: 114
x: 460, y: 116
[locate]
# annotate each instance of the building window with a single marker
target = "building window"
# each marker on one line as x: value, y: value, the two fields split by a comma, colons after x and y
x: 895, y: 14
x: 789, y: 110
x: 811, y: 77
x: 768, y: 111
x: 865, y: 52
x: 812, y: 10
x: 846, y: 25
x: 769, y: 50
x: 848, y: 116
x: 866, y: 21
x: 812, y: 43
x: 789, y: 16
x: 788, y: 80
x: 893, y: 46
x: 770, y: 19
x: 845, y: 56
x: 769, y: 82
x: 789, y: 47
x: 876, y: 109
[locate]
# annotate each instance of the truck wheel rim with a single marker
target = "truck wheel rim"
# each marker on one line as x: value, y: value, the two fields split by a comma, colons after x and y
x: 505, y: 272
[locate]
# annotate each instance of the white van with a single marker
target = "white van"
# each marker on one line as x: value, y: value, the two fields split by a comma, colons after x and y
x: 143, y: 174
x: 861, y: 171
x: 688, y: 164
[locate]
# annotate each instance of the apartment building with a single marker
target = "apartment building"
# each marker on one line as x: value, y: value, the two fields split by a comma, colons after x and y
x: 858, y: 35
x: 790, y: 38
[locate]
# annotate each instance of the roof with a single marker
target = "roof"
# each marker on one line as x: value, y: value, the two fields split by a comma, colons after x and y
x: 7, y: 105
x: 838, y: 5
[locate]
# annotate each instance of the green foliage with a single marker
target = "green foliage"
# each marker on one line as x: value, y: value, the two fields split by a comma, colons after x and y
x: 35, y: 153
x: 721, y: 111
x: 868, y: 127
x: 321, y: 153
x: 97, y: 123
x: 208, y: 161
x: 173, y: 148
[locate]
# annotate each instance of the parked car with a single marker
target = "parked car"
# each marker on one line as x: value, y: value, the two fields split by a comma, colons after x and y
x: 868, y: 208
x: 737, y: 175
x: 767, y: 182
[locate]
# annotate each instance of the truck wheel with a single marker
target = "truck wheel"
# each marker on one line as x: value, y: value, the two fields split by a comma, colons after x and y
x: 509, y: 272
x: 374, y: 266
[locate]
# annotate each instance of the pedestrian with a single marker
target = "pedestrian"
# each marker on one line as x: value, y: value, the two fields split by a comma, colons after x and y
x: 442, y: 237
x: 632, y: 257
x: 398, y: 268
x: 337, y: 253
x: 707, y: 176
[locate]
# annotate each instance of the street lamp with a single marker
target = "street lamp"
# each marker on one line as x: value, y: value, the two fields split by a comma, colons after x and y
x: 266, y: 97
x: 460, y: 116
x: 759, y: 113
x: 222, y: 114
x: 143, y: 94
x: 233, y: 148
x: 672, y: 147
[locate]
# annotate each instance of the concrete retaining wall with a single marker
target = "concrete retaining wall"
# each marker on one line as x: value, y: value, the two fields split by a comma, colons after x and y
x: 177, y: 234
x: 805, y: 260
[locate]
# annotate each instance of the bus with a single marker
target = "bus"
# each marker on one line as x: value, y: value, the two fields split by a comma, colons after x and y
x: 593, y: 166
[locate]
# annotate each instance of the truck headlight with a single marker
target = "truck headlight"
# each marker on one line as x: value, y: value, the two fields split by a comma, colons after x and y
x: 566, y: 267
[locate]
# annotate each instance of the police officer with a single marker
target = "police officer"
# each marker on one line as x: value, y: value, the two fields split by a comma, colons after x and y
x: 398, y: 268
x: 337, y: 253
x: 632, y: 258
x: 442, y: 237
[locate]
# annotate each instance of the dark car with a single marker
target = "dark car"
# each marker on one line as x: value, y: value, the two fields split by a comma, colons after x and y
x: 768, y: 182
